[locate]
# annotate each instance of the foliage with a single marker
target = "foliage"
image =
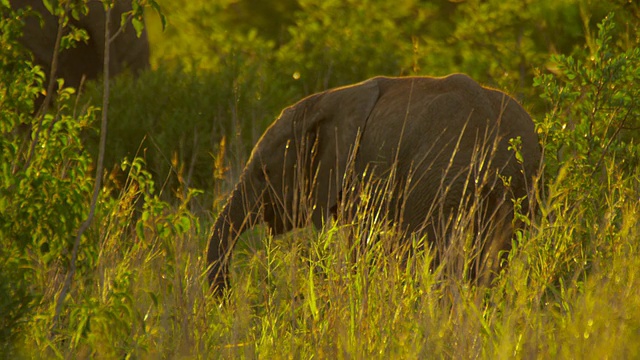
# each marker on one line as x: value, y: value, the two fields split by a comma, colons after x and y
x: 174, y: 148
x: 596, y: 112
x: 588, y: 138
x: 45, y: 181
x: 122, y: 299
x: 316, y: 55
x: 571, y: 288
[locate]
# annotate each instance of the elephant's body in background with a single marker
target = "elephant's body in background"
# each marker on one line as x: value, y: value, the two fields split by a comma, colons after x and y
x: 128, y: 51
x: 434, y: 147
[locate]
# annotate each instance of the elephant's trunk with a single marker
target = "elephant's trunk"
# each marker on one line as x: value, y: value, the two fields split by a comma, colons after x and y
x: 231, y: 223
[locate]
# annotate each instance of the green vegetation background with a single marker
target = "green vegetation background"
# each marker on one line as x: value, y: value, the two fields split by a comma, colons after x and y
x: 178, y: 137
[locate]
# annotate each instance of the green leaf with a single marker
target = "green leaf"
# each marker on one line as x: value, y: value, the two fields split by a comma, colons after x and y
x: 312, y: 295
x: 138, y: 24
x: 140, y: 230
x: 49, y: 5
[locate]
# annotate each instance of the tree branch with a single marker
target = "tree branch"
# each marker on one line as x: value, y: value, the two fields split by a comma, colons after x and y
x: 98, y: 182
x: 50, y: 87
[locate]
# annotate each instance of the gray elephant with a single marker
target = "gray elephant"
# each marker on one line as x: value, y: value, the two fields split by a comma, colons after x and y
x: 432, y: 146
x: 128, y: 51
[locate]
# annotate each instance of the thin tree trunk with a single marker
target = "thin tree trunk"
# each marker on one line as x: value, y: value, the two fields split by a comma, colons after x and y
x: 98, y: 181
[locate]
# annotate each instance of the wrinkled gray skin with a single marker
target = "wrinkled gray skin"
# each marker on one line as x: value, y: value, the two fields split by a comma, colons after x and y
x: 86, y: 59
x: 430, y: 130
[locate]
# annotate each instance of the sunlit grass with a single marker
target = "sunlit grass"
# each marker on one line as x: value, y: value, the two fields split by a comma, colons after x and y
x: 571, y: 287
x: 307, y: 294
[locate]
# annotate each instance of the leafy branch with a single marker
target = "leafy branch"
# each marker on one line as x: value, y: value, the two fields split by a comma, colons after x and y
x: 109, y: 38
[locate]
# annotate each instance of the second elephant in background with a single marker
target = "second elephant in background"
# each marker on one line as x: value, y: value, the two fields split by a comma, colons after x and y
x: 127, y: 52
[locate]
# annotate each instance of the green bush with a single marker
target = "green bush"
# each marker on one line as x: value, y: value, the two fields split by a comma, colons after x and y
x: 590, y: 157
x: 594, y: 116
x: 44, y: 182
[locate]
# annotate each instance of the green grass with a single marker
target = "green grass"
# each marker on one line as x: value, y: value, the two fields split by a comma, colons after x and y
x: 303, y: 295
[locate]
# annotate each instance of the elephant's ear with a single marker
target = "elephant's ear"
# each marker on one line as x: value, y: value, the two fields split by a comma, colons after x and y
x: 337, y: 119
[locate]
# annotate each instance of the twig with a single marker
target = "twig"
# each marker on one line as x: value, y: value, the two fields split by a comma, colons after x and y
x: 98, y: 182
x: 50, y: 88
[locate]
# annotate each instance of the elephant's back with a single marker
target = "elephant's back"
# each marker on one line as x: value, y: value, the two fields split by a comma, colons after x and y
x: 424, y: 116
x: 439, y: 128
x: 416, y: 115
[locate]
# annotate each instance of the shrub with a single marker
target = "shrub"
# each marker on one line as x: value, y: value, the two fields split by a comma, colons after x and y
x: 44, y: 181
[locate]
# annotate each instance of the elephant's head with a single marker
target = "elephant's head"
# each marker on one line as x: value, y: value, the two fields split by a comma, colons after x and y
x: 295, y: 171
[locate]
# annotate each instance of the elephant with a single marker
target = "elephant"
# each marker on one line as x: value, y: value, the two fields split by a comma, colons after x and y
x: 128, y: 51
x: 442, y: 145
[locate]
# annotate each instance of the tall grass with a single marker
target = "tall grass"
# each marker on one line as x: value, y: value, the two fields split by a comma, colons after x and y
x: 302, y: 295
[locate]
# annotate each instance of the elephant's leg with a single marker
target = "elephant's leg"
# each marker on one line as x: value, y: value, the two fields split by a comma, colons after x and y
x: 495, y: 243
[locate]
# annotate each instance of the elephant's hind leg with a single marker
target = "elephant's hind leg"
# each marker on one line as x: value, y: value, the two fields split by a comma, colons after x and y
x: 494, y: 245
